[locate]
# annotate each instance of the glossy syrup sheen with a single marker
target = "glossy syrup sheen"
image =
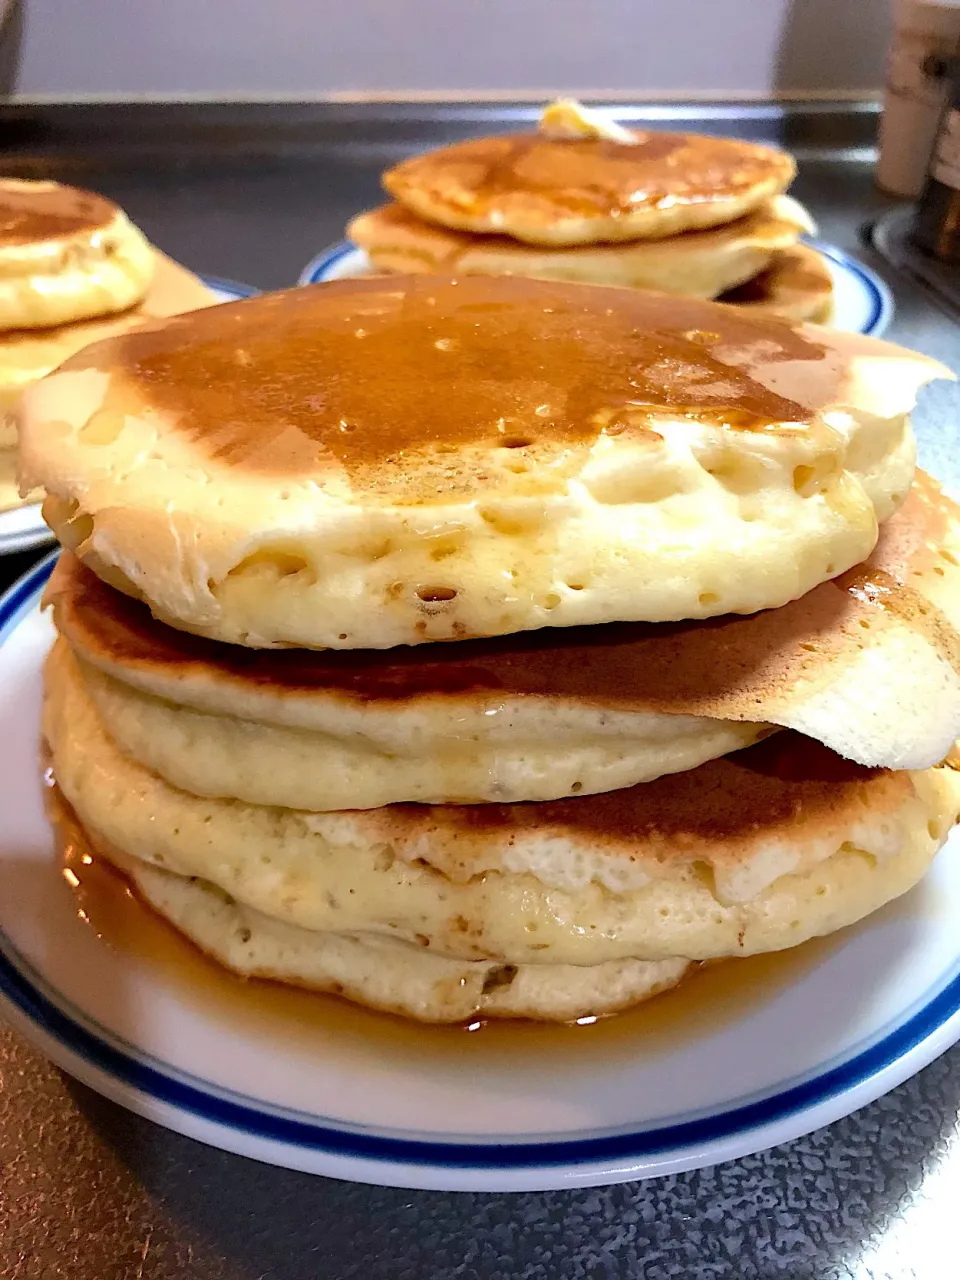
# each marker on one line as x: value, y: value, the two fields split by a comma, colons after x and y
x: 716, y: 995
x: 406, y: 377
x: 588, y: 176
x: 45, y: 213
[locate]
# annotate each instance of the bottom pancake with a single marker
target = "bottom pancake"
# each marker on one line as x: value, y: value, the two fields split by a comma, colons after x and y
x: 390, y: 975
x: 756, y: 852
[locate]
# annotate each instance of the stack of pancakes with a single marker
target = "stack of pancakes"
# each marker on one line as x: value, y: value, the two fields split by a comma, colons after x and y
x: 73, y: 270
x: 494, y: 646
x: 586, y: 201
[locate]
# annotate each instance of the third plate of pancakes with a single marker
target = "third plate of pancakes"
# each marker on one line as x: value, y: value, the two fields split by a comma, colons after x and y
x: 578, y: 666
x: 74, y: 271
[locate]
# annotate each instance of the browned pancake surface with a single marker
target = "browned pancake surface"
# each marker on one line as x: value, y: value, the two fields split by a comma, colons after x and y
x: 735, y: 667
x: 390, y: 378
x: 587, y: 177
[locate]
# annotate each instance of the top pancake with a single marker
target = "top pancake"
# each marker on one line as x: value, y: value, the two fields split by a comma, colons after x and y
x: 66, y: 255
x: 395, y: 460
x: 568, y: 191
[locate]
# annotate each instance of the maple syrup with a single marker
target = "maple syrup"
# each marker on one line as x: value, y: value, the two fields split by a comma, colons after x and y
x: 419, y: 385
x: 586, y: 177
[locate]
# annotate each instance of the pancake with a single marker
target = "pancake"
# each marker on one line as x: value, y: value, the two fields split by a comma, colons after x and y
x: 543, y: 751
x: 390, y: 975
x: 867, y: 664
x: 757, y: 851
x: 551, y: 188
x: 695, y: 264
x: 796, y: 284
x: 66, y: 255
x: 26, y: 355
x: 395, y: 460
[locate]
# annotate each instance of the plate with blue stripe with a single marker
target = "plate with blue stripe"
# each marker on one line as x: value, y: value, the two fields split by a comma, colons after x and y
x: 745, y: 1055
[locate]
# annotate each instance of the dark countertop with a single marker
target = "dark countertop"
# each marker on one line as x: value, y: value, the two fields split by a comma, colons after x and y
x: 89, y: 1192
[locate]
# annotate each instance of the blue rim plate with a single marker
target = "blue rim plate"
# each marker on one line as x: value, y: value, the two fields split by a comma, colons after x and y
x: 874, y: 1008
x: 862, y: 301
x: 23, y: 528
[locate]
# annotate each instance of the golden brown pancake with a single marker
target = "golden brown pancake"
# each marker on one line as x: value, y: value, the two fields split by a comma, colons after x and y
x: 695, y: 264
x: 66, y: 255
x: 388, y: 974
x: 568, y: 191
x: 32, y: 212
x: 404, y: 459
x: 868, y: 664
x: 796, y: 284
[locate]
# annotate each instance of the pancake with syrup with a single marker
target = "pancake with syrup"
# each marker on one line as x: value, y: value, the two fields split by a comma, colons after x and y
x: 753, y: 852
x: 388, y: 974
x: 695, y: 264
x: 577, y: 181
x: 66, y: 255
x: 397, y: 460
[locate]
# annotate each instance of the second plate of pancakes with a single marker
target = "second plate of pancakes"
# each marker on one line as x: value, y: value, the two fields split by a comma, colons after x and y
x: 584, y: 200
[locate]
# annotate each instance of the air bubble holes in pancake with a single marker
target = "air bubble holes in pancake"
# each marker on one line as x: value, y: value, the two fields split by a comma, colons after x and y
x: 274, y: 563
x: 434, y: 595
x: 641, y: 479
x: 702, y: 872
x: 849, y: 847
x: 512, y: 523
x: 737, y: 472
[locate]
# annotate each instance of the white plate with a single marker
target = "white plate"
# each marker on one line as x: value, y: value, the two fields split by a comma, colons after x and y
x: 862, y: 303
x: 23, y: 527
x: 749, y: 1054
